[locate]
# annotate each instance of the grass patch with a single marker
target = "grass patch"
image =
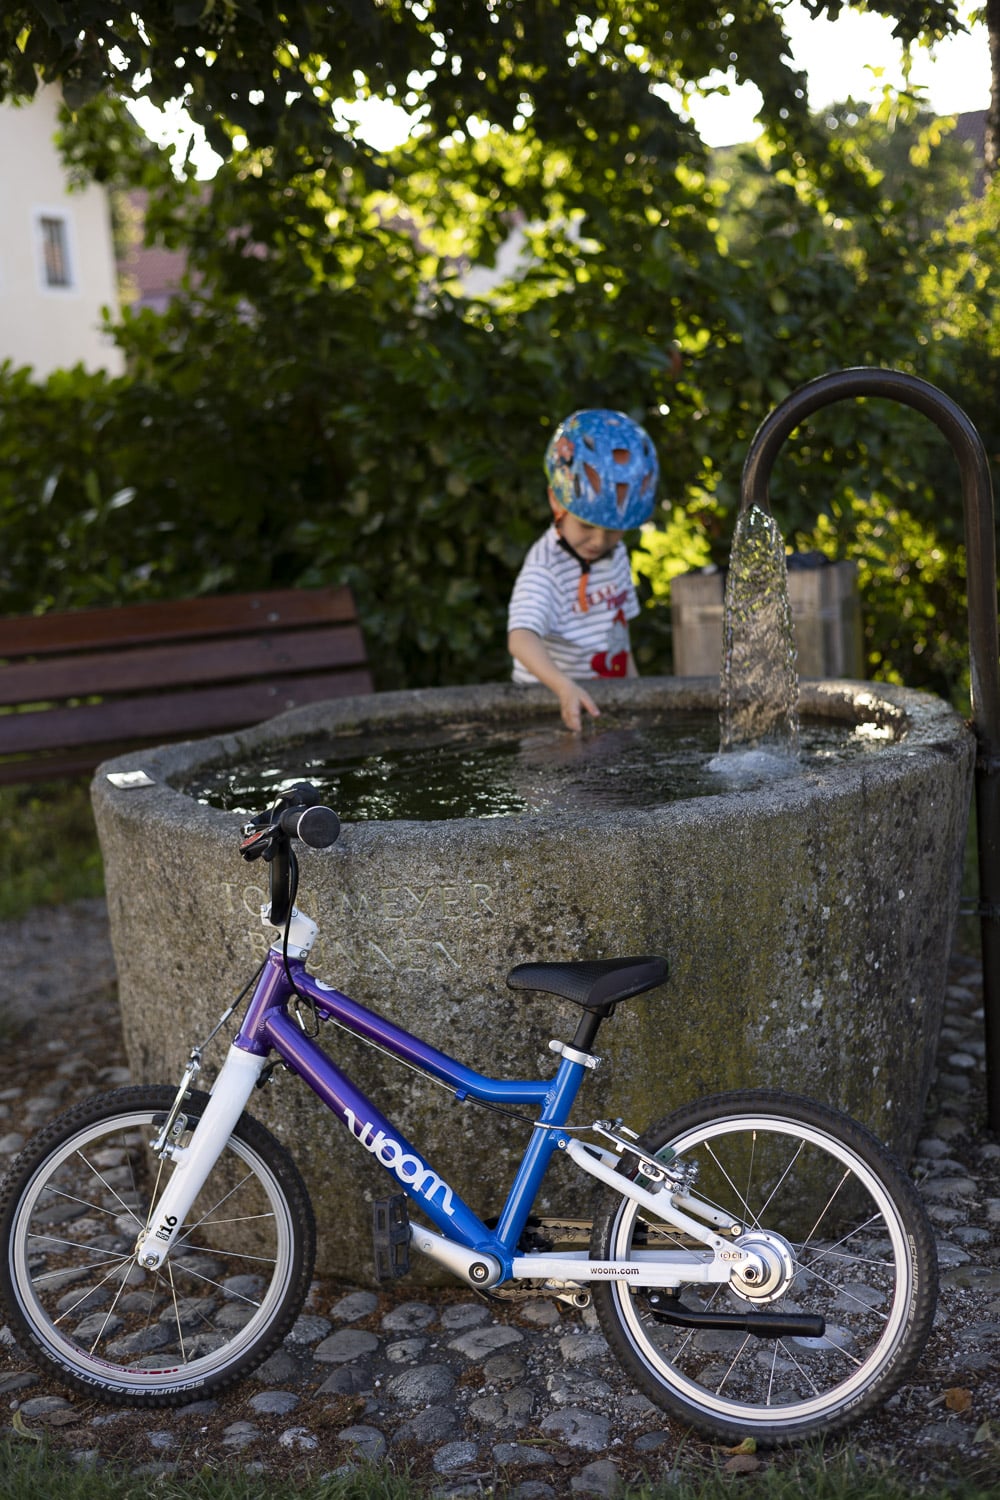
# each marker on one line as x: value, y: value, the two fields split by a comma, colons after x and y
x: 48, y: 846
x: 36, y: 1471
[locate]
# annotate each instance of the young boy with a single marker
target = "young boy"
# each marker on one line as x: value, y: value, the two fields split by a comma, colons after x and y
x: 574, y: 596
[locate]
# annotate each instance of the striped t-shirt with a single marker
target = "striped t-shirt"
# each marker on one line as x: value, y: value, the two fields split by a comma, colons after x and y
x: 545, y: 600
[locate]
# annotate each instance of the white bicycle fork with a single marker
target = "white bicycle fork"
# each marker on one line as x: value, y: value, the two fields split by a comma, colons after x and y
x: 192, y: 1164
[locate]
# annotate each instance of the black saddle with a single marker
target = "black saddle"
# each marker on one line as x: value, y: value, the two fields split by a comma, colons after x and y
x: 596, y: 985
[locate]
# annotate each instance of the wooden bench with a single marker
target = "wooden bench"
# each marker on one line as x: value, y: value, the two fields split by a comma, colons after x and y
x: 79, y: 686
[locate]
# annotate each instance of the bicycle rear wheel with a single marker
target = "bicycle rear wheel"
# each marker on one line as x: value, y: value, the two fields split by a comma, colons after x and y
x: 77, y: 1299
x: 845, y: 1236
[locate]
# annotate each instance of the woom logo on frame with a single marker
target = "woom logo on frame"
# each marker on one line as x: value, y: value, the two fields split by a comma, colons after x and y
x: 407, y: 1167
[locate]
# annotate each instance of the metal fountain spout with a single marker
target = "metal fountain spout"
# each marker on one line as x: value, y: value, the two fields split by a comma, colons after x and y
x: 977, y: 500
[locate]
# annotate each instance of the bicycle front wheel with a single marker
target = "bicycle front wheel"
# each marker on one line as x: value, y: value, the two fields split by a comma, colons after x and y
x: 71, y: 1208
x: 844, y: 1236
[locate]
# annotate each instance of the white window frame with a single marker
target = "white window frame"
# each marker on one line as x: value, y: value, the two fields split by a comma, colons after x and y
x: 40, y: 218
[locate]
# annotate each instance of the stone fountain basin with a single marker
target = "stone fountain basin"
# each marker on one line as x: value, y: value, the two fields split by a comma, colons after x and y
x: 807, y: 924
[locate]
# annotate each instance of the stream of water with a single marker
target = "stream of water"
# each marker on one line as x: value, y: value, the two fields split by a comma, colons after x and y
x: 759, y: 688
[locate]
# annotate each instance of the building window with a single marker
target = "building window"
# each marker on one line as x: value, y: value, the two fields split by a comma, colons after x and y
x: 56, y: 264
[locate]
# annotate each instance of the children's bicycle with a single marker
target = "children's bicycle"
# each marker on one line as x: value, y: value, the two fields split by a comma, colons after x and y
x: 759, y: 1264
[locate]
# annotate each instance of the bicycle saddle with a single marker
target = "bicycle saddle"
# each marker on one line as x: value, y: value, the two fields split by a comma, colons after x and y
x: 595, y: 984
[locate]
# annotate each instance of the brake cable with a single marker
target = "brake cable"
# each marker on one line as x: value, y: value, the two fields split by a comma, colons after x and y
x: 313, y: 1027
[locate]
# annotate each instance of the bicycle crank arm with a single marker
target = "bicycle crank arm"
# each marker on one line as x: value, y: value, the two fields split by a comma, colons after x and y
x: 670, y: 1309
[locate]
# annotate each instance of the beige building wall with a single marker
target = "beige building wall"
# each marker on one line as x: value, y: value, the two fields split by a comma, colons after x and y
x: 57, y: 265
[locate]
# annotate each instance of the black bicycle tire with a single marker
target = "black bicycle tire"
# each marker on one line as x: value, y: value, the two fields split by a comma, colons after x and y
x: 123, y: 1103
x: 774, y: 1430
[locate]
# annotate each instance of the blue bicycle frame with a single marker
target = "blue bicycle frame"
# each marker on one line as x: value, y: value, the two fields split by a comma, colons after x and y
x: 268, y: 1026
x: 465, y: 1245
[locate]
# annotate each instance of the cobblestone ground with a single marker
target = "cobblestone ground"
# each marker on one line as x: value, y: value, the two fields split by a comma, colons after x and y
x: 470, y: 1394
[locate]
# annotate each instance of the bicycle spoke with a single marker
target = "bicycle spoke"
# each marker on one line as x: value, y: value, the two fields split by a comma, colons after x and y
x: 830, y: 1241
x: 224, y: 1294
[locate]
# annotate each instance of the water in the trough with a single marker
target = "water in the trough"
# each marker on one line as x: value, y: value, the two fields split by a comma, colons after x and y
x: 480, y: 771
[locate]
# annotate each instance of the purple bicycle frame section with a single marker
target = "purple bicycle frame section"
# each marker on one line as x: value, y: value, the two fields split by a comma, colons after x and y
x: 268, y: 1026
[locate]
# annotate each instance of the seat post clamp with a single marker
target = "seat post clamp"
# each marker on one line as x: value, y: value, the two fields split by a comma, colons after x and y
x: 586, y: 1059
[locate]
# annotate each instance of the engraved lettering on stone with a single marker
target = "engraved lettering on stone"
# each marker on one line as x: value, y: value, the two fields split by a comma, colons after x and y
x: 392, y: 904
x: 482, y: 895
x: 439, y: 948
x: 417, y: 929
x: 378, y: 952
x: 419, y: 900
x: 253, y: 898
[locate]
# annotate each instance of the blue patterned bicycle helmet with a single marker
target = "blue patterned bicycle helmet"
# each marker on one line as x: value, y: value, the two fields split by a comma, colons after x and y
x: 602, y: 468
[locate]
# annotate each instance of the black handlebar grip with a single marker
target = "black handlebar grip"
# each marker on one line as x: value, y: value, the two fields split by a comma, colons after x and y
x: 316, y: 826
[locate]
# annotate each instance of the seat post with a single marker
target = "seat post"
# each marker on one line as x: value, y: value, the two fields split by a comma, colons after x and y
x: 587, y: 1029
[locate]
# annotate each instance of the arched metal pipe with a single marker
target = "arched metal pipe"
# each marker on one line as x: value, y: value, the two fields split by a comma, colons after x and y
x: 984, y: 662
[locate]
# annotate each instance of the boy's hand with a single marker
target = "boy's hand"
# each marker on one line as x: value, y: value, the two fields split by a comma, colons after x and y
x: 572, y: 700
x: 530, y: 650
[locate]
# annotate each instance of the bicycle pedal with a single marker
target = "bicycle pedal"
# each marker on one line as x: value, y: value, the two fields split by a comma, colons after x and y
x: 391, y: 1237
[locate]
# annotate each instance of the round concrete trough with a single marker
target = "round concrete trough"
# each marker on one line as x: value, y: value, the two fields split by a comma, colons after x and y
x: 807, y: 925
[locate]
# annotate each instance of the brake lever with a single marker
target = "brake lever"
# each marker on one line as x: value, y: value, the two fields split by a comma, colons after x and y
x: 256, y: 841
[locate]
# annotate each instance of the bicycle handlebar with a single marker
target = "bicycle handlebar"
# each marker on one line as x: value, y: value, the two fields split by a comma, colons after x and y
x: 318, y: 827
x: 296, y: 814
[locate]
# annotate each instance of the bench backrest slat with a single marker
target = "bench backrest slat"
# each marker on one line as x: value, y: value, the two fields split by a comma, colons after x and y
x: 79, y: 686
x: 217, y: 660
x: 172, y: 620
x: 156, y: 716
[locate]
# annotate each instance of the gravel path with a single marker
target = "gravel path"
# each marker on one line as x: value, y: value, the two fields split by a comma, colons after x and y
x: 470, y: 1394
